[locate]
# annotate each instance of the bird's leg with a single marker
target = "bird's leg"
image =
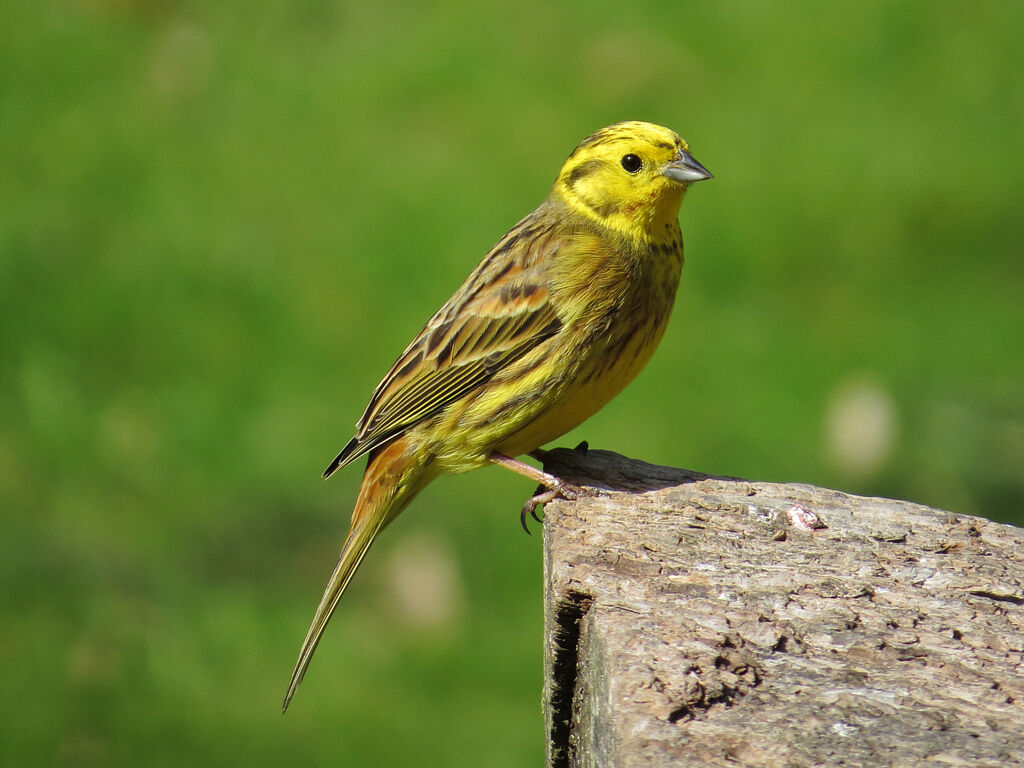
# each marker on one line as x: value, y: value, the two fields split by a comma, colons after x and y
x: 527, y: 470
x: 555, y: 488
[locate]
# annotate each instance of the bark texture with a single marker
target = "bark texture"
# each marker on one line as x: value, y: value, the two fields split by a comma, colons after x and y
x: 695, y: 621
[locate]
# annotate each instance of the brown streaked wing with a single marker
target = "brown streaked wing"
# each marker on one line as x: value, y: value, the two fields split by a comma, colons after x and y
x: 500, y: 313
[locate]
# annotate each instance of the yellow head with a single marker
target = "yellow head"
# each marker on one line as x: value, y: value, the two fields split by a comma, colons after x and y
x: 629, y: 177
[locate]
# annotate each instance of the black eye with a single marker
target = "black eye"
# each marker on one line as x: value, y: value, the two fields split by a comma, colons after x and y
x: 632, y: 163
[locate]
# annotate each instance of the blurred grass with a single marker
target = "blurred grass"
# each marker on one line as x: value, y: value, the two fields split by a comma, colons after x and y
x: 219, y: 223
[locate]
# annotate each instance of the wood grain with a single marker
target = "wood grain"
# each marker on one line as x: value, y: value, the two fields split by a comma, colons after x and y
x: 689, y: 622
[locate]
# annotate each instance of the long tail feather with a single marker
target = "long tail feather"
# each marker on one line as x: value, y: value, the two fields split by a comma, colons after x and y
x: 393, y: 476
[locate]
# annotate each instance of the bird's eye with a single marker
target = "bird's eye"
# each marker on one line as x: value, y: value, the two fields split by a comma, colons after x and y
x: 632, y: 163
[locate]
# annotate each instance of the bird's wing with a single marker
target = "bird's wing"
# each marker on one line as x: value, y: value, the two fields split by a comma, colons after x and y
x: 500, y: 313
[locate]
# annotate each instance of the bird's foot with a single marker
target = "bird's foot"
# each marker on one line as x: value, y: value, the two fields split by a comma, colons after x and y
x: 550, y: 487
x: 545, y: 493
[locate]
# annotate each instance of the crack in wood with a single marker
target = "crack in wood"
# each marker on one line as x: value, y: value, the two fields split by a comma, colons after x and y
x: 999, y: 598
x: 565, y: 674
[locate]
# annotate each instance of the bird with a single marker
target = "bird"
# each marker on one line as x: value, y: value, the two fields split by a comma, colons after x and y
x: 554, y: 321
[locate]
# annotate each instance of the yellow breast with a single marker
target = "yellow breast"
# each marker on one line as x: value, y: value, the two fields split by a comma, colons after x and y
x: 615, y: 307
x: 605, y: 375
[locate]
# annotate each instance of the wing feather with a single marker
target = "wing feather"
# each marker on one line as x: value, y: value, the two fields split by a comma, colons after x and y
x: 500, y: 313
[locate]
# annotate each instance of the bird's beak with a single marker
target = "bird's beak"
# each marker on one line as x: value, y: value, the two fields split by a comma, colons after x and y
x: 685, y: 169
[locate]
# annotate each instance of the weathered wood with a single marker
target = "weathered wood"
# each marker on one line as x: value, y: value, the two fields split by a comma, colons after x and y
x: 690, y: 623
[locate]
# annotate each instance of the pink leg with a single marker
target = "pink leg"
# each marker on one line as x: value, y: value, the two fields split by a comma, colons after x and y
x: 555, y: 488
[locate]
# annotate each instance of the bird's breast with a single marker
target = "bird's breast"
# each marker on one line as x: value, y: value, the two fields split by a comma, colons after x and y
x: 614, y: 307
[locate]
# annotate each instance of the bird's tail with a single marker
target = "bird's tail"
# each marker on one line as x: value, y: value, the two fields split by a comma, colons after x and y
x: 394, y: 474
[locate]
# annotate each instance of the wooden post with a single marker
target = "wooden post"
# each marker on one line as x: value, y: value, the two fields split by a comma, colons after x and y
x: 699, y: 621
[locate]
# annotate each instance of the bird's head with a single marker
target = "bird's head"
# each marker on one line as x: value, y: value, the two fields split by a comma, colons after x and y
x: 629, y: 177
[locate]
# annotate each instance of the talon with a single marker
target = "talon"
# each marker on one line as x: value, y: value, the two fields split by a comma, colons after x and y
x: 543, y: 496
x: 555, y: 487
x: 531, y: 505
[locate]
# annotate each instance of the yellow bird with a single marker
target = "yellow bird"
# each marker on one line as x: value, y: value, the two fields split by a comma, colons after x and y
x: 559, y: 316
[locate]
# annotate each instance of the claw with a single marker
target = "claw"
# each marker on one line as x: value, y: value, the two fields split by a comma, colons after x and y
x: 530, y: 508
x: 543, y: 495
x: 555, y: 488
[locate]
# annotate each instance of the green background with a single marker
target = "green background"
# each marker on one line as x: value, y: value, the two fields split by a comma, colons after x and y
x: 220, y: 223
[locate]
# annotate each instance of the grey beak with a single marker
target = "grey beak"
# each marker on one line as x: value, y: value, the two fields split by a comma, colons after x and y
x: 685, y: 169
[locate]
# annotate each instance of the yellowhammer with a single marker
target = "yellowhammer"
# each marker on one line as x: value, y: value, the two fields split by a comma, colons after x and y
x: 561, y: 314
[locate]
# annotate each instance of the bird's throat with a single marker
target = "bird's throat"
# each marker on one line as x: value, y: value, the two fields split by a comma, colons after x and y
x: 641, y: 219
